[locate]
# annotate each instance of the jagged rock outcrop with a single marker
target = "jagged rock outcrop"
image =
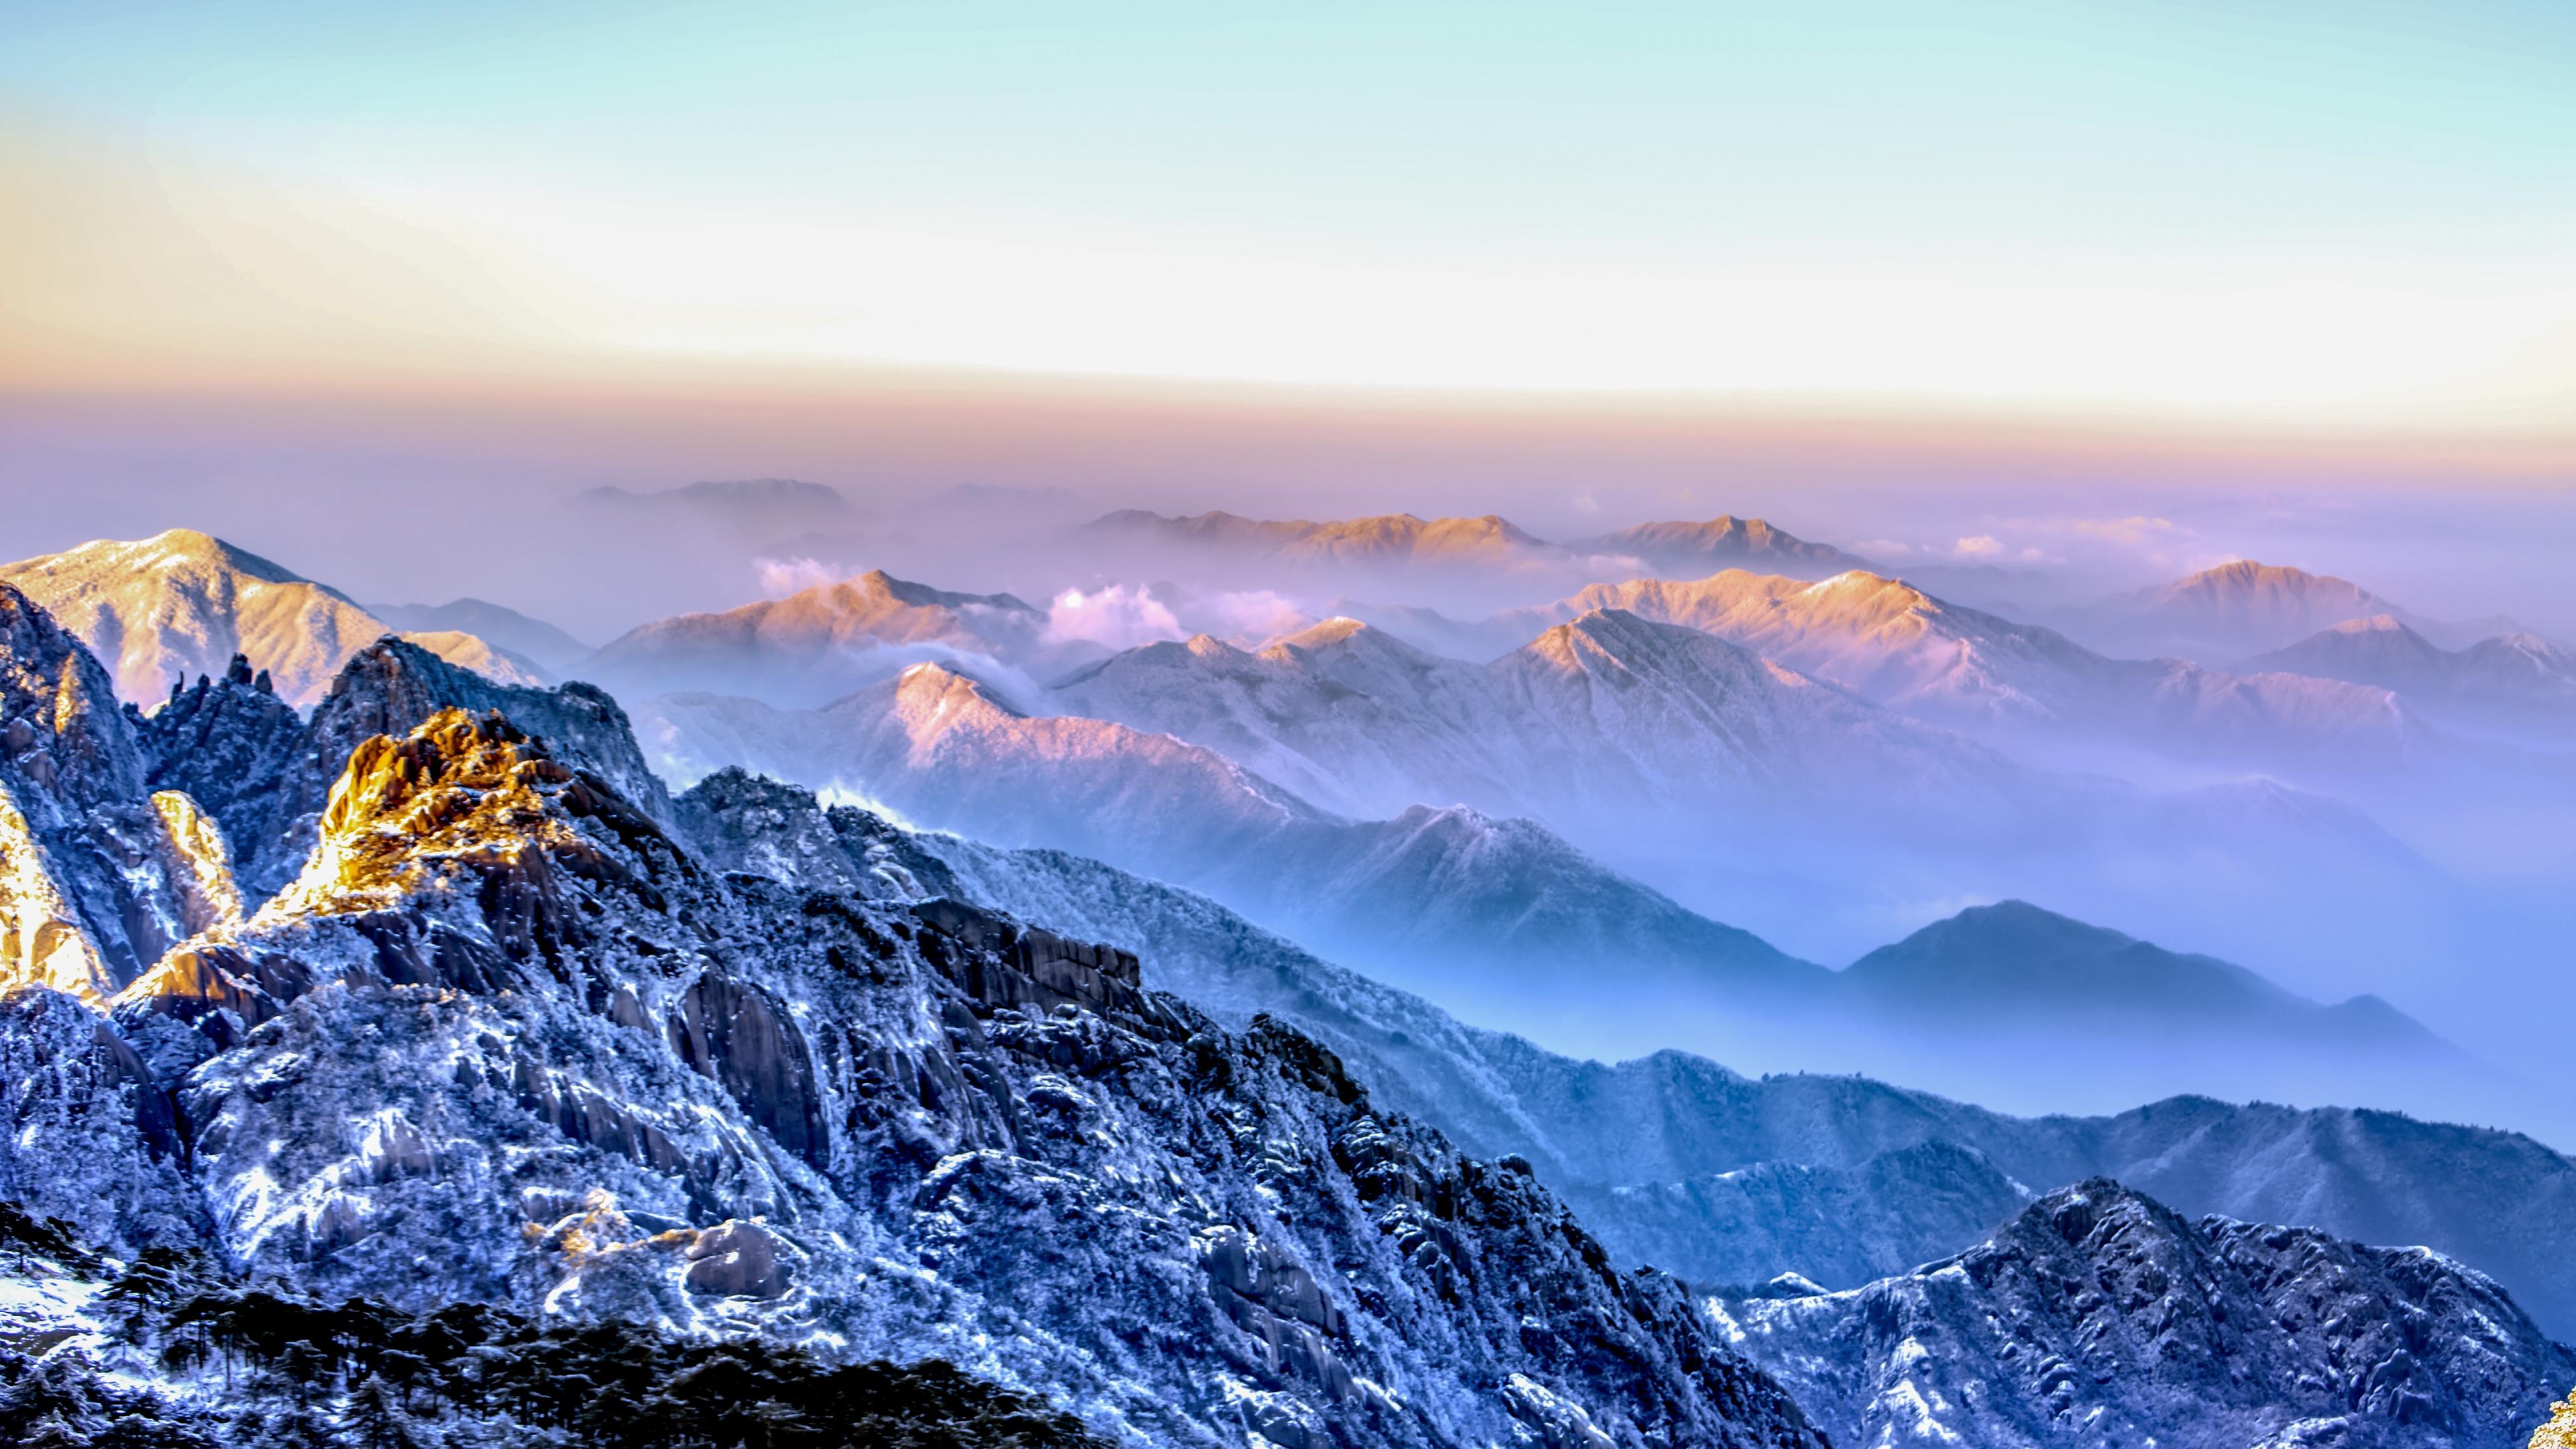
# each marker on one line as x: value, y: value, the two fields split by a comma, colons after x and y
x: 505, y: 1037
x: 267, y: 776
x: 98, y: 876
x: 223, y: 742
x: 2101, y: 1317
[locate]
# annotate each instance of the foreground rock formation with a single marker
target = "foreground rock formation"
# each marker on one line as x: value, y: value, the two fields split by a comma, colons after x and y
x: 505, y: 1037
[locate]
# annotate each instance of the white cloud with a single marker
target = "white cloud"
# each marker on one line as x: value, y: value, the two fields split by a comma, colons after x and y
x: 780, y: 577
x: 1984, y: 545
x: 1115, y: 616
x: 1258, y: 616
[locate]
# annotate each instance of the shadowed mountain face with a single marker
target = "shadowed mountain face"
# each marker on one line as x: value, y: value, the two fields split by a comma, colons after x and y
x: 1990, y: 964
x: 503, y: 628
x: 2100, y: 1317
x: 1725, y: 1178
x: 181, y: 604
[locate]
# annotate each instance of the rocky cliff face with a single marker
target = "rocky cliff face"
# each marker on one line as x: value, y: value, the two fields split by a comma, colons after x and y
x: 2100, y: 1317
x: 1731, y: 1179
x: 505, y: 1036
x: 98, y: 875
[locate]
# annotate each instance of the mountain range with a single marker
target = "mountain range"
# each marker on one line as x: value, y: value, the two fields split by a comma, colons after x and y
x: 523, y: 1031
x: 1525, y: 931
x: 1491, y: 833
x: 1899, y: 647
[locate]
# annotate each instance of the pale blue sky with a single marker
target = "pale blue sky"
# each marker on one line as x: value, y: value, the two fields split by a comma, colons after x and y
x: 1656, y: 121
x: 2432, y: 140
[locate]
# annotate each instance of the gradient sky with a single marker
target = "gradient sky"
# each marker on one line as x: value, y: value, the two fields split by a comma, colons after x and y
x: 2356, y: 213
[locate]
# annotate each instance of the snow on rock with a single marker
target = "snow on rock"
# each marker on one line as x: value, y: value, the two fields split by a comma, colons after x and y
x: 2100, y: 1317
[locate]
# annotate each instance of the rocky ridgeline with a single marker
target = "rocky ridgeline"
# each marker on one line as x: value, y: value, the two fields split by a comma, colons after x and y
x: 501, y: 1035
x: 2100, y: 1317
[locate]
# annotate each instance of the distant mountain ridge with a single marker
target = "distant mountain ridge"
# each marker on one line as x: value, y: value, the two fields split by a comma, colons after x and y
x: 1384, y: 539
x: 181, y: 604
x: 1403, y: 538
x: 2243, y: 608
x: 2521, y: 678
x: 1897, y: 646
x: 1508, y: 919
x: 1693, y: 550
x: 505, y: 628
x: 1607, y: 712
x: 820, y: 643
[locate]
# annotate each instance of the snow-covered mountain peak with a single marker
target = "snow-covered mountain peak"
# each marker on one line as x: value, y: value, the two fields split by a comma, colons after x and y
x: 1336, y: 630
x: 929, y: 697
x: 181, y: 604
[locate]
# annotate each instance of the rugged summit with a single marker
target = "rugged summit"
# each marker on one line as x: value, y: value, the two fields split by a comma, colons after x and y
x: 507, y: 1037
x: 2100, y: 1317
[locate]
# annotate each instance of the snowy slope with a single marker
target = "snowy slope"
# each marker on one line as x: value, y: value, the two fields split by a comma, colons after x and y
x: 169, y: 608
